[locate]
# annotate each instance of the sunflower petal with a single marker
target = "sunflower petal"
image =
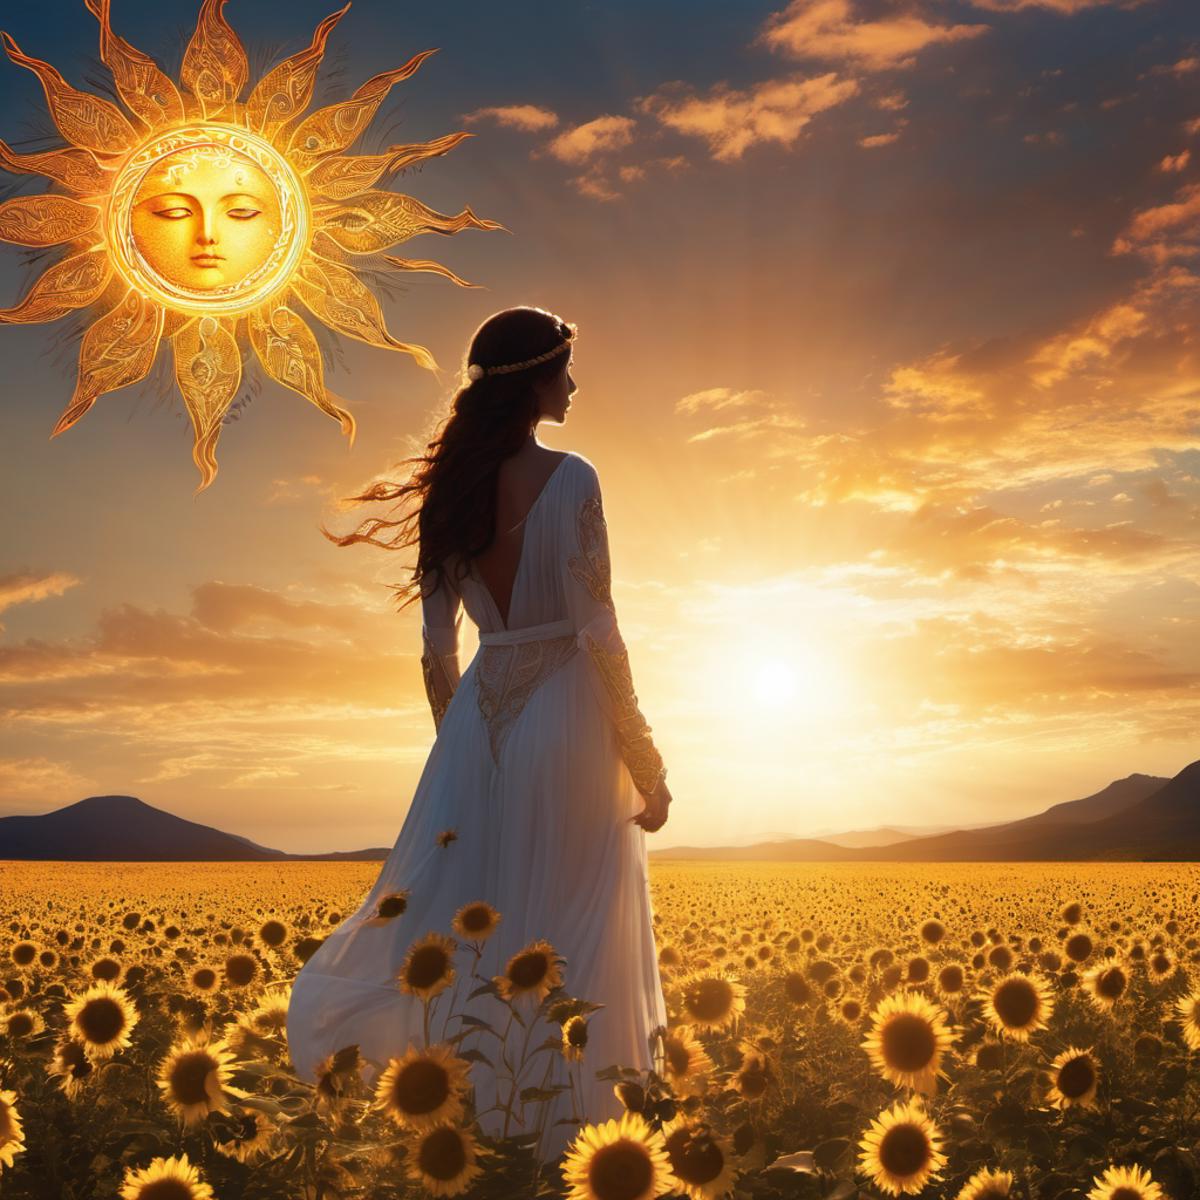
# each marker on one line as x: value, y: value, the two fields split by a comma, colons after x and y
x: 74, y: 168
x: 339, y: 298
x: 117, y: 350
x: 73, y: 283
x: 214, y: 66
x: 208, y: 368
x: 345, y: 176
x: 285, y: 92
x: 146, y: 89
x: 289, y: 353
x: 334, y: 128
x: 376, y: 220
x: 84, y: 120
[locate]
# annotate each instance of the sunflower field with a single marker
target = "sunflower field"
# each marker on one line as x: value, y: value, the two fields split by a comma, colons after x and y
x: 953, y: 1031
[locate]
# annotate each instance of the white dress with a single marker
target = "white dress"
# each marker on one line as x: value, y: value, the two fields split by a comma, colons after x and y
x: 540, y: 759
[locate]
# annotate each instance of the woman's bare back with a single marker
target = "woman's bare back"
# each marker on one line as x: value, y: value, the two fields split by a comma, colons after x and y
x: 521, y: 479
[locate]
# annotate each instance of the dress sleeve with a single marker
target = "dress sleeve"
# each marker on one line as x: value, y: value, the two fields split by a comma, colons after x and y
x: 588, y: 584
x: 441, y: 612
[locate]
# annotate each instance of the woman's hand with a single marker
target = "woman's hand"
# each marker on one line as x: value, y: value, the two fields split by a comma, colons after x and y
x: 654, y: 815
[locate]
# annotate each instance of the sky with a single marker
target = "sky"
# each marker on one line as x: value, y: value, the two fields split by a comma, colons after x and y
x: 887, y: 363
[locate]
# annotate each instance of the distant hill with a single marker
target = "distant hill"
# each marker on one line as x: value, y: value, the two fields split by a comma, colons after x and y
x: 125, y: 829
x: 867, y: 837
x: 1138, y: 818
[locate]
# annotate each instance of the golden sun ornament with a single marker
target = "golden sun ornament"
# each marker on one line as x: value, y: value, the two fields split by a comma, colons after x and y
x: 212, y: 224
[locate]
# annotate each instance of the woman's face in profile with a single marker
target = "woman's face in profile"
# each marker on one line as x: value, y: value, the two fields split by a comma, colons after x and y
x: 205, y: 218
x: 554, y: 396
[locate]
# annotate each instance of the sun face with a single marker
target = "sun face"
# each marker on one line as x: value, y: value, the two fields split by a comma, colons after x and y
x: 212, y: 224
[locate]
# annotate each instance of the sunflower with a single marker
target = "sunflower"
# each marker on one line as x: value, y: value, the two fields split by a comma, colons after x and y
x: 619, y: 1160
x: 314, y: 215
x: 424, y: 1088
x: 701, y: 1159
x: 241, y: 970
x: 1188, y: 1008
x: 687, y: 1064
x: 1106, y: 983
x: 428, y: 968
x: 574, y: 1037
x: 335, y: 1076
x: 1125, y: 1183
x: 244, y: 1133
x: 534, y: 972
x: 194, y: 1078
x: 389, y: 907
x: 12, y: 1139
x: 1018, y: 1004
x: 712, y: 1001
x: 755, y: 1074
x: 476, y: 922
x: 23, y: 954
x: 106, y: 969
x: 950, y: 980
x: 1074, y: 1078
x: 987, y: 1185
x: 1160, y: 964
x: 101, y: 1019
x: 165, y: 1177
x: 203, y: 981
x: 443, y: 1160
x: 21, y: 1023
x: 908, y: 1038
x: 71, y: 1064
x: 901, y: 1151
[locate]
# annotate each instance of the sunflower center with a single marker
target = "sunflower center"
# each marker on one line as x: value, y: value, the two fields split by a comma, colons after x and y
x: 1112, y: 983
x: 188, y: 1075
x: 72, y: 1058
x: 697, y: 1159
x: 421, y: 1086
x: 392, y: 906
x: 442, y: 1154
x: 427, y: 966
x: 1126, y: 1193
x: 477, y: 919
x: 101, y: 1019
x: 904, y: 1150
x: 240, y: 969
x: 677, y: 1056
x: 908, y: 1042
x: 1016, y: 1002
x: 1076, y: 1078
x: 20, y: 1024
x: 951, y: 979
x: 528, y: 970
x: 620, y: 1171
x: 166, y: 1189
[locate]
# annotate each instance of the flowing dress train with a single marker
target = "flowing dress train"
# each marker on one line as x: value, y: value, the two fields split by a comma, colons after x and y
x: 540, y: 758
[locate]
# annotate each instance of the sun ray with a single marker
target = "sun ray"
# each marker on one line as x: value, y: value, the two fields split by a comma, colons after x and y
x: 86, y: 121
x: 147, y: 91
x: 341, y: 177
x: 119, y: 349
x: 289, y: 353
x: 76, y: 169
x: 74, y: 283
x: 339, y: 298
x: 214, y: 65
x: 376, y: 220
x: 335, y: 128
x: 208, y: 368
x: 45, y: 220
x: 425, y: 264
x: 286, y: 91
x: 313, y: 221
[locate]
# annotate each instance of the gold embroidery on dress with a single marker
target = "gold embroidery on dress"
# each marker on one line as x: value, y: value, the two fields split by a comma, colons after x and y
x: 439, y: 685
x: 593, y: 568
x: 507, y: 674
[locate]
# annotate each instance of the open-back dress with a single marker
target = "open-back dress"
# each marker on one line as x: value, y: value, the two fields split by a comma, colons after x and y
x: 540, y: 759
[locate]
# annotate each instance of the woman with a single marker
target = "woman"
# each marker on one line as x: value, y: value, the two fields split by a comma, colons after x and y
x: 541, y: 784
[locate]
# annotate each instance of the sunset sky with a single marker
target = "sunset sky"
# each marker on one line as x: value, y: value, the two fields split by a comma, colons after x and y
x: 887, y: 362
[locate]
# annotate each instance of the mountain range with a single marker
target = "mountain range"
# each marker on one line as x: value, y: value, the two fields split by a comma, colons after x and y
x: 1139, y: 818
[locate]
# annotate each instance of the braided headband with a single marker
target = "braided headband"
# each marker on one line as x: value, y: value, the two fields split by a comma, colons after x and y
x: 477, y: 371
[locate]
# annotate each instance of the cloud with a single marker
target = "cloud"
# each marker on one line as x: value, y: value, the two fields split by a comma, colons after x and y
x: 26, y: 587
x: 733, y: 120
x: 593, y: 184
x: 41, y: 781
x: 1064, y: 8
x: 528, y: 118
x: 599, y: 136
x: 1174, y: 163
x: 877, y: 139
x: 827, y: 29
x: 1164, y: 231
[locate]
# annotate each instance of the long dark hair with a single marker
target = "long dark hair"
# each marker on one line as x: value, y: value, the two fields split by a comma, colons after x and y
x: 454, y: 483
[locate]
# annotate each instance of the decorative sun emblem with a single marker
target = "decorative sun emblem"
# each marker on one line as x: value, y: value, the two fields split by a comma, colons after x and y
x: 212, y: 224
